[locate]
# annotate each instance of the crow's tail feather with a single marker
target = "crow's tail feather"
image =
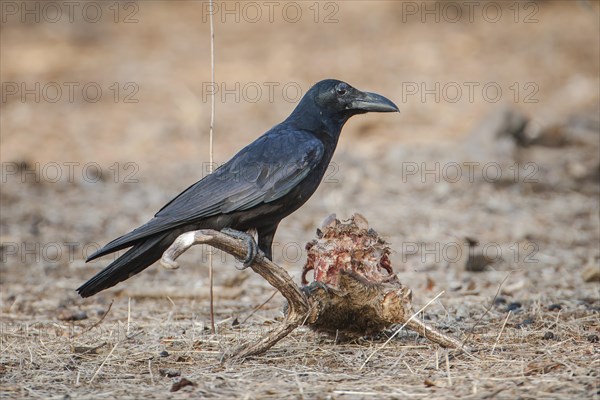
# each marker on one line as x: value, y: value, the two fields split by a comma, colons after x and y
x: 119, y: 243
x: 139, y: 257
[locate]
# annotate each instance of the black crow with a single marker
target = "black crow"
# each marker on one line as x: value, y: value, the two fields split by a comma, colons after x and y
x: 265, y: 182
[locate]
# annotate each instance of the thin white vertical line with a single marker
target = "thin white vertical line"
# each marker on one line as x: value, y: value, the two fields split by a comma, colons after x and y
x: 210, y: 151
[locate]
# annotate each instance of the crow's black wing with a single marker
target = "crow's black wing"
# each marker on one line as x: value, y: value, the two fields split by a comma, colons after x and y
x: 262, y: 172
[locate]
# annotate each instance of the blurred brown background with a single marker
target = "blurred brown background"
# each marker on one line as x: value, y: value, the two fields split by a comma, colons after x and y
x: 163, y: 48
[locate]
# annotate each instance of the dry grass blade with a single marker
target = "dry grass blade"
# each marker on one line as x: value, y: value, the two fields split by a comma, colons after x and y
x: 448, y: 370
x: 399, y: 330
x: 103, y: 362
x: 95, y: 324
x: 211, y: 154
x: 500, y: 333
x: 259, y: 307
x: 488, y: 308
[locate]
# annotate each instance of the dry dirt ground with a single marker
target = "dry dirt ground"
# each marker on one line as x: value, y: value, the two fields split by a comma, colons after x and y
x: 105, y: 115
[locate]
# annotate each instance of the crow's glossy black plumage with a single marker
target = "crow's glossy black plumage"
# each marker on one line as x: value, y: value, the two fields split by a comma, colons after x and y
x: 262, y: 184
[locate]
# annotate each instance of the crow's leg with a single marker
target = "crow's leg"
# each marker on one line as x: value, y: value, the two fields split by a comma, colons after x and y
x: 250, y: 243
x: 265, y: 239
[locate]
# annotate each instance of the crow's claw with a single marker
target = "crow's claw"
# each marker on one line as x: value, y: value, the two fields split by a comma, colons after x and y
x: 309, y: 289
x: 250, y: 243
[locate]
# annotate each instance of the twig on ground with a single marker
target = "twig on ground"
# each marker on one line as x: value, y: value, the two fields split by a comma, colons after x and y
x: 501, y: 330
x: 95, y: 324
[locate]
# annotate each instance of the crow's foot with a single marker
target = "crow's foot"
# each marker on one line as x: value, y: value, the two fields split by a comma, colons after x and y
x: 250, y: 243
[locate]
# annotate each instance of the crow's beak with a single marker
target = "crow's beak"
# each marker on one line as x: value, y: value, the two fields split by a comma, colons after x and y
x: 372, y: 102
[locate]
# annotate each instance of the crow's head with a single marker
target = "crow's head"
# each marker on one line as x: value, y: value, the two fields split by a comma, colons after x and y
x: 332, y: 102
x: 339, y: 97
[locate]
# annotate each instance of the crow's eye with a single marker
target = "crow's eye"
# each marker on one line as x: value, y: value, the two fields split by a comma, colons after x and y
x: 341, y: 91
